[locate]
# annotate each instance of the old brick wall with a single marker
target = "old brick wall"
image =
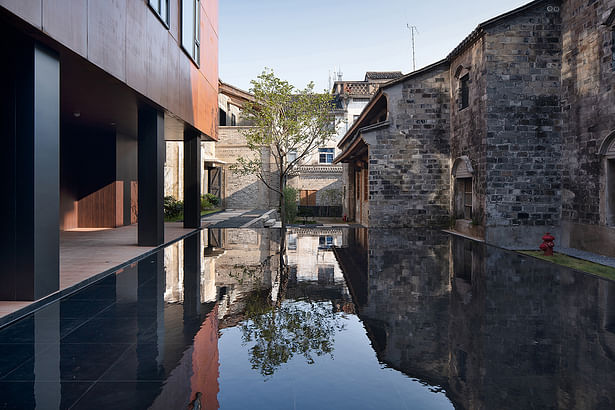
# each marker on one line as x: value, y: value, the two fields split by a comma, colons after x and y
x: 468, y: 125
x: 409, y: 162
x: 524, y: 125
x: 242, y: 192
x: 588, y: 101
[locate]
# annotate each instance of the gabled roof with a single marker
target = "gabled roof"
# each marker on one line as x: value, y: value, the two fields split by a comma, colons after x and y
x: 480, y: 29
x: 234, y: 92
x: 382, y: 75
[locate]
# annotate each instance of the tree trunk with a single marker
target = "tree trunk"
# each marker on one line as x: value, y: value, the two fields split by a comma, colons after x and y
x: 282, y: 218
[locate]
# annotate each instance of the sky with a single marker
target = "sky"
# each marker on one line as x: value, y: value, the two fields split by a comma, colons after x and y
x: 303, y: 41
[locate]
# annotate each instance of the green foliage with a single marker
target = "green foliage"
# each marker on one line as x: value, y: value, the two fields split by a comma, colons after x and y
x: 306, y: 213
x: 277, y: 334
x: 290, y: 203
x: 209, y: 201
x: 172, y: 207
x: 214, y: 200
x: 285, y: 120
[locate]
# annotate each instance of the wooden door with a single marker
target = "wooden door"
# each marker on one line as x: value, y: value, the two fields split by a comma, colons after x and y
x: 214, y: 181
x: 307, y: 198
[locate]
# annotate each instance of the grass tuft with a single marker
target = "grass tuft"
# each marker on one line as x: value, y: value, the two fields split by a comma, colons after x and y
x: 575, y: 263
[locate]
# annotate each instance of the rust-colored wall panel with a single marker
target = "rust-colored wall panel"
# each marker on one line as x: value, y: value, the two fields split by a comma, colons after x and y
x: 186, y: 70
x: 172, y: 64
x: 67, y: 22
x: 174, y: 19
x: 107, y: 35
x: 206, y: 116
x: 136, y: 53
x: 157, y: 44
x: 29, y: 10
x: 209, y: 54
x: 211, y: 11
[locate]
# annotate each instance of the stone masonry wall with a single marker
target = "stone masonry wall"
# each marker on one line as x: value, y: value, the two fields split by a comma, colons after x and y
x: 409, y: 160
x: 588, y: 101
x: 242, y: 192
x: 524, y: 123
x: 468, y: 125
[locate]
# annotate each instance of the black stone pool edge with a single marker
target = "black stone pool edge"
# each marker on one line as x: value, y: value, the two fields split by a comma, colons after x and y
x: 47, y: 300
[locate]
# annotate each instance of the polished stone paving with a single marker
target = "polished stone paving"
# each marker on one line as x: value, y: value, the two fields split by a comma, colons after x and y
x: 85, y: 253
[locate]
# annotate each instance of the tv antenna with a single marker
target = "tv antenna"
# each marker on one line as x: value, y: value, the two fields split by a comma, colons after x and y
x: 412, y: 30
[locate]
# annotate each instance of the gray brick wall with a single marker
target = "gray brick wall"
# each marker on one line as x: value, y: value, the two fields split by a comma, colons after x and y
x: 409, y: 160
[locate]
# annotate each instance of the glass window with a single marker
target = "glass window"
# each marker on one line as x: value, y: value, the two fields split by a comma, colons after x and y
x: 233, y: 120
x: 325, y: 242
x: 325, y: 155
x: 292, y: 241
x: 161, y: 8
x: 291, y: 156
x: 191, y: 28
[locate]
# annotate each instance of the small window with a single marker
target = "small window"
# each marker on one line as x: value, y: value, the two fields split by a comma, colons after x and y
x: 325, y: 242
x: 292, y: 241
x: 161, y: 8
x: 191, y: 32
x: 222, y: 115
x: 465, y: 91
x: 233, y: 120
x: 291, y: 156
x: 325, y: 155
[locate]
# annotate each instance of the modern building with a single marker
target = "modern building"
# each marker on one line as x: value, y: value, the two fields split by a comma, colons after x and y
x: 91, y: 92
x: 510, y: 136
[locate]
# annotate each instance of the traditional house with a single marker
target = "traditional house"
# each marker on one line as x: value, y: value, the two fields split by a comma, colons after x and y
x: 517, y: 120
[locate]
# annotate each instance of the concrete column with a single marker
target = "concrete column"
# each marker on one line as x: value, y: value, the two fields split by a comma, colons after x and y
x: 192, y: 178
x: 151, y: 153
x: 30, y: 127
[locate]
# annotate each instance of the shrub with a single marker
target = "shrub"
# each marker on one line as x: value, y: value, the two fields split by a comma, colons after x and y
x: 172, y: 207
x: 290, y: 204
x: 212, y: 199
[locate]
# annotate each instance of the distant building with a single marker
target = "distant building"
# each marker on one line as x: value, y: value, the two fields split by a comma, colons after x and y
x: 512, y: 135
x: 317, y: 179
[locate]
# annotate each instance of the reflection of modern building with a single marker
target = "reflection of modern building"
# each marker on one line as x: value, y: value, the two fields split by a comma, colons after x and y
x: 506, y: 138
x: 492, y: 328
x: 90, y: 92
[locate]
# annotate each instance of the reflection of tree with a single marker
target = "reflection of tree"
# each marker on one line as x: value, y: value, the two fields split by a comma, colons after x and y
x: 282, y: 330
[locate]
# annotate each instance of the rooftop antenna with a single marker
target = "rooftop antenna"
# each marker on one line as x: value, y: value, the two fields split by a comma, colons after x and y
x: 412, y: 30
x: 339, y: 74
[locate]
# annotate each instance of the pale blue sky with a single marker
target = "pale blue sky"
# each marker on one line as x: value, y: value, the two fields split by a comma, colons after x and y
x: 303, y: 40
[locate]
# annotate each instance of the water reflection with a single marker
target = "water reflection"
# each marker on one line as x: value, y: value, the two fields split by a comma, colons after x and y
x: 491, y: 328
x: 337, y: 319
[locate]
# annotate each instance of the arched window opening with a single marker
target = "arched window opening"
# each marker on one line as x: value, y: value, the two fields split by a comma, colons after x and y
x: 463, y: 188
x: 607, y: 150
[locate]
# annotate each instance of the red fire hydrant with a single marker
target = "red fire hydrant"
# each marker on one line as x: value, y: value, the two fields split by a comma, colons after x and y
x: 547, y: 244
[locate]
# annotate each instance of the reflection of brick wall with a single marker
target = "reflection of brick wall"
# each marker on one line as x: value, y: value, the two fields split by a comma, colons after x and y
x: 205, y: 363
x: 408, y: 293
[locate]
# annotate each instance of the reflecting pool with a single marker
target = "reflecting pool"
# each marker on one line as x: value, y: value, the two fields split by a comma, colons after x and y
x: 341, y: 319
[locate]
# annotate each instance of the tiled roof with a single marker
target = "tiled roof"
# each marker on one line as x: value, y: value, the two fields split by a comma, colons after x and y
x: 382, y: 75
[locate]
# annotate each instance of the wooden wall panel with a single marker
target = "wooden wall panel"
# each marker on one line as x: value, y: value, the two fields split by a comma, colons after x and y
x: 98, y: 210
x: 157, y: 44
x: 136, y: 53
x: 67, y: 22
x: 28, y: 10
x: 107, y: 35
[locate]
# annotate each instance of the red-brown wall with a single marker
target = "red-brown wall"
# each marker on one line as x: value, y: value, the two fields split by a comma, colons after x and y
x: 126, y: 39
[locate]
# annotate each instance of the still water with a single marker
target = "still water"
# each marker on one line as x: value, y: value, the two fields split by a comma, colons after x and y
x: 357, y: 319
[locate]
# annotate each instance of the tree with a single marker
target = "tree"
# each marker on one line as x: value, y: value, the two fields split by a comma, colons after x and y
x: 285, y: 120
